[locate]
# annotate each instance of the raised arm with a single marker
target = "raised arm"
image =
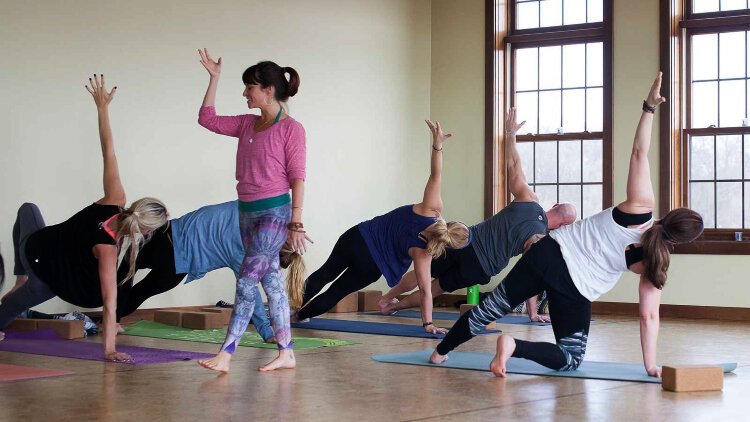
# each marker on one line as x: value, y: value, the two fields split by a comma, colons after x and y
x: 649, y: 298
x: 114, y: 193
x: 223, y: 125
x: 214, y: 71
x: 432, y: 202
x: 517, y: 184
x: 640, y: 193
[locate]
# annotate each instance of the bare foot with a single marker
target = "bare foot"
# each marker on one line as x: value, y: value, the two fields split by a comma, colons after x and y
x: 2, y: 336
x: 437, y: 358
x: 386, y: 305
x: 505, y: 347
x: 285, y: 360
x: 120, y: 330
x: 219, y: 362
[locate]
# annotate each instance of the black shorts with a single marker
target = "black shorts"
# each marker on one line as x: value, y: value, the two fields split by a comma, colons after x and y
x: 458, y: 268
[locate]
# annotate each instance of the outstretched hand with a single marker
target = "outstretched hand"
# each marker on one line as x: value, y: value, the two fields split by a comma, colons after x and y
x: 213, y: 67
x: 511, y: 126
x: 296, y: 240
x: 438, y: 136
x: 654, y: 96
x: 102, y: 98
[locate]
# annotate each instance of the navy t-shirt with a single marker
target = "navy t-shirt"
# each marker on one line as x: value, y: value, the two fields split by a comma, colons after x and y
x: 389, y: 237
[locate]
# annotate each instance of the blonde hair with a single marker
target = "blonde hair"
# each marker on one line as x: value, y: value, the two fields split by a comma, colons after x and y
x: 295, y: 276
x: 143, y: 215
x: 442, y: 235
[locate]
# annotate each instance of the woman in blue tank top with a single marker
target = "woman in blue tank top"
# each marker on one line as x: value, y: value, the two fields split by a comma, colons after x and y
x: 387, y: 245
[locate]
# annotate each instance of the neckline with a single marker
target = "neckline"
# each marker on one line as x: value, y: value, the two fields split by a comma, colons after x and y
x: 107, y: 229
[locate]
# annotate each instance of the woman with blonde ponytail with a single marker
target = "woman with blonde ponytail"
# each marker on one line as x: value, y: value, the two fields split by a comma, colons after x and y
x: 578, y: 263
x: 77, y: 259
x: 387, y: 245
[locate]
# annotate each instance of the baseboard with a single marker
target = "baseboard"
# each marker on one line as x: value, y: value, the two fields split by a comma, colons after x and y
x: 719, y: 313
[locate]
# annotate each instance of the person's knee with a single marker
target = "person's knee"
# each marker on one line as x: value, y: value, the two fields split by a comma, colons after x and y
x: 574, y: 349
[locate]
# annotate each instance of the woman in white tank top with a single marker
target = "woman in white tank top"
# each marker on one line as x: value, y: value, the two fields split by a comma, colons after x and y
x: 578, y: 263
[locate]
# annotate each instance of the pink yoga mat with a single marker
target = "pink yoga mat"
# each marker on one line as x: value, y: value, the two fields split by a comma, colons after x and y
x: 48, y: 343
x: 15, y: 372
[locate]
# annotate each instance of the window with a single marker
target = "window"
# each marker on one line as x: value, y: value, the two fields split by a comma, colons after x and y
x: 559, y: 79
x: 707, y: 134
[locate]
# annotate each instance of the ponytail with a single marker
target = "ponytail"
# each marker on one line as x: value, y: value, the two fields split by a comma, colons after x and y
x: 143, y: 215
x: 442, y: 235
x: 681, y: 225
x: 295, y: 277
x: 293, y: 86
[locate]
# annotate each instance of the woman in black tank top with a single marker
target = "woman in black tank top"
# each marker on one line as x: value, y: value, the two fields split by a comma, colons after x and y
x: 77, y: 259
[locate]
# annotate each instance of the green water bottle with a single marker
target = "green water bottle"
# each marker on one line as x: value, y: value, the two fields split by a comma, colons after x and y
x: 472, y: 295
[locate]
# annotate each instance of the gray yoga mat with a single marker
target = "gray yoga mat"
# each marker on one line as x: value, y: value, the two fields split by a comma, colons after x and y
x: 481, y: 362
x: 453, y: 316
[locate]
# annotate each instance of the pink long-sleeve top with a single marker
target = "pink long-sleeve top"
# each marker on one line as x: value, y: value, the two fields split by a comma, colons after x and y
x: 267, y: 161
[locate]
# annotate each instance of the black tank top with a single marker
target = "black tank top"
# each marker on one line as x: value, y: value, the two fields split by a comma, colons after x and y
x: 62, y: 255
x: 633, y: 254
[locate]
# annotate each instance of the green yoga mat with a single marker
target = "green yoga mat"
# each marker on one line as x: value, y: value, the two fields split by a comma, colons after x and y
x: 217, y: 336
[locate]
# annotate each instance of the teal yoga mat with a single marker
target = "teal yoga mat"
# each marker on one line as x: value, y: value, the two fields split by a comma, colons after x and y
x: 481, y: 362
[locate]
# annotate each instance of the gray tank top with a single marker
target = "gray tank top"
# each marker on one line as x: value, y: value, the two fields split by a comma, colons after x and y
x: 501, y: 237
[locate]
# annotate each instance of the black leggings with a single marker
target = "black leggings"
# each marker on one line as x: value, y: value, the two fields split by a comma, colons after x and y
x: 351, y: 256
x: 158, y: 255
x: 542, y: 268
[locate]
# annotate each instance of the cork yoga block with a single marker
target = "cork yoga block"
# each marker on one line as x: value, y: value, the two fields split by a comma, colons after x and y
x: 466, y: 307
x: 226, y: 313
x: 64, y: 328
x: 692, y: 378
x: 367, y: 300
x: 350, y: 303
x: 168, y: 317
x: 202, y: 320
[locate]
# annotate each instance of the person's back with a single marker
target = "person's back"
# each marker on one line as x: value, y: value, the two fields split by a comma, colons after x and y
x: 61, y: 254
x: 502, y: 236
x: 207, y: 239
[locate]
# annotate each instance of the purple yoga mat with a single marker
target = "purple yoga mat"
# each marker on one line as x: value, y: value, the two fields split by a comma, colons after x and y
x: 47, y: 342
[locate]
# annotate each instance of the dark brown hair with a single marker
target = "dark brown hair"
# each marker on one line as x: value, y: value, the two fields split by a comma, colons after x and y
x: 268, y: 73
x: 681, y: 225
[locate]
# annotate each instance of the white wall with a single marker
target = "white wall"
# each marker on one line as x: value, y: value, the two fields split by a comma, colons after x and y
x: 458, y: 54
x: 365, y: 70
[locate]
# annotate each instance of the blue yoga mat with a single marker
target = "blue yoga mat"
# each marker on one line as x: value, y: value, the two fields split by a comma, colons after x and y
x: 481, y: 362
x: 453, y: 316
x: 363, y: 327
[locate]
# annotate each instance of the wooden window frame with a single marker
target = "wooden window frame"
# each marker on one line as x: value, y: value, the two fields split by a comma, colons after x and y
x: 677, y: 24
x: 501, y: 42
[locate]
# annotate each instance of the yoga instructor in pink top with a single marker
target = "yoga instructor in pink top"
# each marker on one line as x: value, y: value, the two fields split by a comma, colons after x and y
x: 270, y: 162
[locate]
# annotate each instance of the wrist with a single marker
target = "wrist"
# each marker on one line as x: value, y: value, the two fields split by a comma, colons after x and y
x: 438, y: 147
x: 426, y: 324
x: 648, y: 108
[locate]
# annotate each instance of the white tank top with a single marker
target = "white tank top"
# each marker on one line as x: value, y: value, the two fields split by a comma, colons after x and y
x: 594, y: 250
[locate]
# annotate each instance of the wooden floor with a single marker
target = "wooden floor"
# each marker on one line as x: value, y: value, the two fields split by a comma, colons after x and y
x: 344, y: 384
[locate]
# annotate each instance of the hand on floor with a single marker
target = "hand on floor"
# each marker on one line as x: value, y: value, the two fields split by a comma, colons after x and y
x: 539, y: 318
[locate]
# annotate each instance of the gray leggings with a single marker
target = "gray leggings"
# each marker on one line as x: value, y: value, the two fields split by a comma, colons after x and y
x: 34, y: 291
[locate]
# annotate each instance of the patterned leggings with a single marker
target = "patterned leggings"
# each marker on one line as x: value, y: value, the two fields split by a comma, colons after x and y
x: 542, y: 268
x: 263, y: 235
